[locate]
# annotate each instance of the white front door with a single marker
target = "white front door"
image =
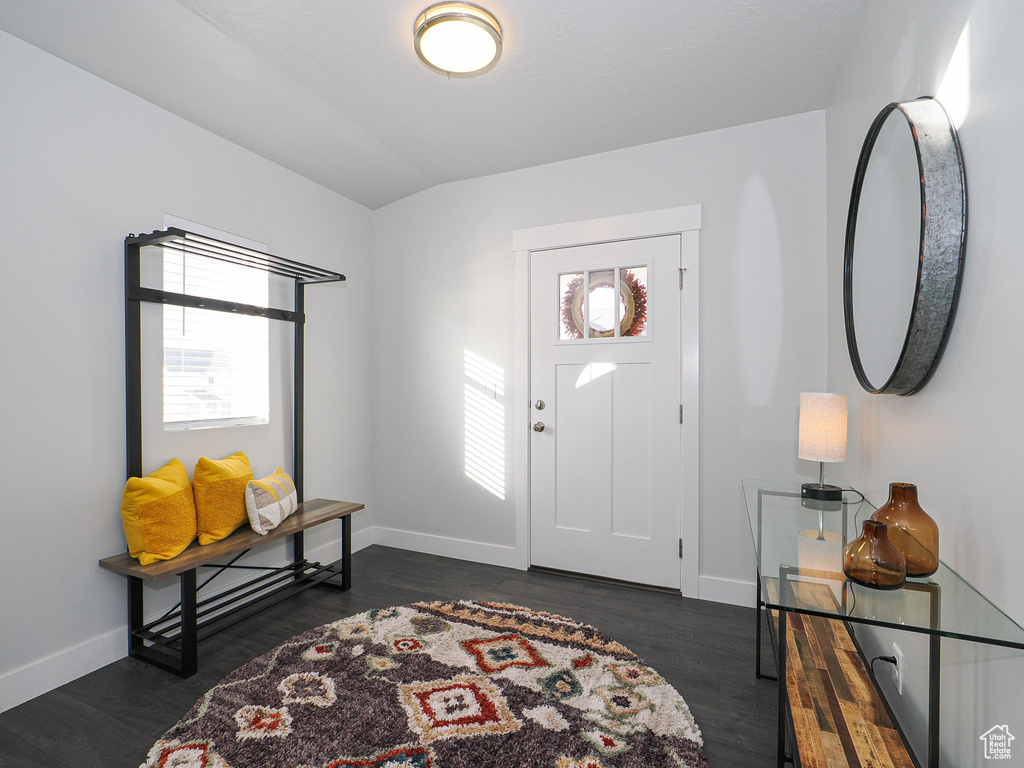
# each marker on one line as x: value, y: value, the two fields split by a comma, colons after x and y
x: 605, y: 383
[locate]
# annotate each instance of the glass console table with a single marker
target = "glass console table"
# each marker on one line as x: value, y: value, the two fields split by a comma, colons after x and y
x: 800, y: 540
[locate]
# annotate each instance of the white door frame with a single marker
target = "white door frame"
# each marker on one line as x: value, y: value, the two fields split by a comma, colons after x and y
x: 686, y: 223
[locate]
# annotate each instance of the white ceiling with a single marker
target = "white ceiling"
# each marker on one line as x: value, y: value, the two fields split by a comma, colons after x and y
x: 333, y: 90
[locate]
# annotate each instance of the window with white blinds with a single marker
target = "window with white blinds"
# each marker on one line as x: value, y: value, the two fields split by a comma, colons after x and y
x: 216, y: 365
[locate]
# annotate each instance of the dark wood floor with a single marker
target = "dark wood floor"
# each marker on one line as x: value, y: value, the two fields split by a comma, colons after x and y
x: 111, y: 717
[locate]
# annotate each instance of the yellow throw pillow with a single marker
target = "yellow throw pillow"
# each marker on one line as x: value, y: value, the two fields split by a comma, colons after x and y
x: 158, y: 513
x: 270, y: 500
x: 219, y: 488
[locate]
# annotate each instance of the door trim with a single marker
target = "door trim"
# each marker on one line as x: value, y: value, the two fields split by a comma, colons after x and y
x: 685, y: 222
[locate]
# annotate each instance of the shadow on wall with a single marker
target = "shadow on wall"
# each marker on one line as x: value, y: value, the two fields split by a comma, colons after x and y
x: 758, y: 292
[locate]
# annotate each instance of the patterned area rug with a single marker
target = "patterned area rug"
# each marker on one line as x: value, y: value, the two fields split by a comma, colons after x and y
x: 439, y: 685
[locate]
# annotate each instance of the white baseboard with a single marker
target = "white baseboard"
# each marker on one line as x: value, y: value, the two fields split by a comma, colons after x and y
x: 362, y: 538
x: 37, y: 677
x: 727, y: 591
x: 460, y: 549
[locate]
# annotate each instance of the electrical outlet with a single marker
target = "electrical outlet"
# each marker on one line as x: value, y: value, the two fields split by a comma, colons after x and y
x: 897, y: 669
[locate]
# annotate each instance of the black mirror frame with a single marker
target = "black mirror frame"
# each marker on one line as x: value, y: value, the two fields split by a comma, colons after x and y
x: 943, y: 245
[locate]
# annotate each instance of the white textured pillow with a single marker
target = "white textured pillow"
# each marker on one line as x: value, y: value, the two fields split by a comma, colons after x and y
x: 270, y: 500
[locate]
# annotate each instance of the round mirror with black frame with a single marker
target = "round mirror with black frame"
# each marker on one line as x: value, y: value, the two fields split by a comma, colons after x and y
x: 906, y: 235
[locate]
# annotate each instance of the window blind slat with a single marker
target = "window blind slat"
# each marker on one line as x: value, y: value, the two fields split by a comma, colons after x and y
x: 216, y: 369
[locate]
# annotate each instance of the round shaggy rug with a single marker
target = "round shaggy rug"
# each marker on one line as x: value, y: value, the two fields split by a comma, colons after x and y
x: 439, y: 685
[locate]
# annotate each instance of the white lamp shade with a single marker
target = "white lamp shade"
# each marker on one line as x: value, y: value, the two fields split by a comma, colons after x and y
x: 823, y: 426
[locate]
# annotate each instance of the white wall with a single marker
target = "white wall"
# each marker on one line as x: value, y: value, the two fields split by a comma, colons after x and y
x: 444, y: 282
x: 82, y: 164
x: 959, y: 439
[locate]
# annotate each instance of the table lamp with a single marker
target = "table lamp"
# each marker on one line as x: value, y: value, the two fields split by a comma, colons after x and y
x: 822, y: 439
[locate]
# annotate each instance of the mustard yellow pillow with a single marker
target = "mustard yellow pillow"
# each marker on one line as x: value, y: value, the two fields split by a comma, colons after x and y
x: 219, y: 488
x: 158, y: 513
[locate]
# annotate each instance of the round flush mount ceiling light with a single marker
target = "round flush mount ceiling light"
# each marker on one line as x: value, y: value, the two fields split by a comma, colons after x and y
x: 458, y: 39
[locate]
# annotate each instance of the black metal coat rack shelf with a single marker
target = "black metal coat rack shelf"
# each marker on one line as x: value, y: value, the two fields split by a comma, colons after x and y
x: 167, y: 648
x: 206, y: 247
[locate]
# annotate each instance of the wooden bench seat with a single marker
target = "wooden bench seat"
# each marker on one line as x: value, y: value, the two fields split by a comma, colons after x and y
x: 838, y: 716
x: 309, y: 514
x: 170, y: 641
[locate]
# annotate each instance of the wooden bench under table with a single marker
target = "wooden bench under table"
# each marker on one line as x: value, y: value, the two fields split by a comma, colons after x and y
x: 838, y: 716
x: 170, y: 641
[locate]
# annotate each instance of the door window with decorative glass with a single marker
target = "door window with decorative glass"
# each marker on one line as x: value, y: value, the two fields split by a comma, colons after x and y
x: 604, y: 304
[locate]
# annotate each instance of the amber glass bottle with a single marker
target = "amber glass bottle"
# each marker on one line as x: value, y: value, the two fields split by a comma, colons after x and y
x: 873, y: 561
x: 911, y: 530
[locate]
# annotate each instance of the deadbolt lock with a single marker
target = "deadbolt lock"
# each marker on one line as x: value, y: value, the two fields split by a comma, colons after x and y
x: 539, y: 405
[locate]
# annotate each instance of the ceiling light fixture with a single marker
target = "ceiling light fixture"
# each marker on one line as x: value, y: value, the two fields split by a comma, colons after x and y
x: 458, y: 39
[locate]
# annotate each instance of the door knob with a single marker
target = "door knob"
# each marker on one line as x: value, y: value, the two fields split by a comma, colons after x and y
x: 538, y: 426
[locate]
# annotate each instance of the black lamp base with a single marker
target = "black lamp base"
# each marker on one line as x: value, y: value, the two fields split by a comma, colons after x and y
x: 821, y: 492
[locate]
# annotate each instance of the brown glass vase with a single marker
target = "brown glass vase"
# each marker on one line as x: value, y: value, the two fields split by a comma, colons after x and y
x: 873, y: 561
x: 911, y: 530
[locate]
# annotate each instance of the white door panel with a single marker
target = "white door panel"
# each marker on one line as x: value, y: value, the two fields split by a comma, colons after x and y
x: 630, y: 469
x: 605, y: 492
